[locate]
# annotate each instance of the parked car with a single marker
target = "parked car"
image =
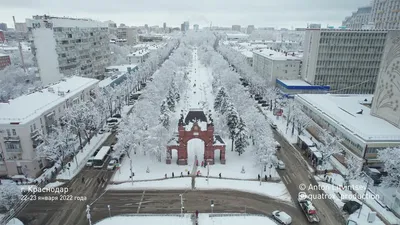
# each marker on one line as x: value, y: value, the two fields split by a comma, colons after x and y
x: 281, y: 165
x: 104, y: 130
x: 117, y: 116
x: 282, y: 217
x: 89, y: 163
x: 112, y: 165
x: 273, y: 126
x: 277, y: 145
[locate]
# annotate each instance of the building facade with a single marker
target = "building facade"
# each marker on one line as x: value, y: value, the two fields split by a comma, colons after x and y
x: 4, y: 61
x: 386, y: 14
x: 25, y: 120
x: 276, y: 65
x: 236, y: 28
x: 3, y: 26
x: 67, y: 46
x: 387, y: 93
x: 348, y: 117
x: 196, y: 27
x: 2, y: 36
x: 127, y: 33
x: 250, y: 29
x: 21, y: 27
x: 358, y: 19
x: 186, y: 23
x: 346, y: 60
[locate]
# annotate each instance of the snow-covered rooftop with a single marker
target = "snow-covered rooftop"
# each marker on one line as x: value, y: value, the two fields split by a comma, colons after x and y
x: 237, y: 35
x: 27, y: 107
x: 2, y: 55
x: 70, y: 22
x: 274, y: 55
x: 122, y: 68
x: 109, y: 80
x: 295, y: 82
x: 342, y: 109
x: 138, y: 53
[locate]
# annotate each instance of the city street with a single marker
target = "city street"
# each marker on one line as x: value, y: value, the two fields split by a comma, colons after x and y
x: 297, y: 173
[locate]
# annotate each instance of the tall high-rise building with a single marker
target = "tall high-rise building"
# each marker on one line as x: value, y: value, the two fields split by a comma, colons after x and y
x: 183, y: 27
x: 146, y: 27
x: 69, y: 46
x: 3, y: 26
x: 236, y: 28
x: 164, y: 26
x: 386, y: 100
x: 186, y: 23
x: 196, y: 27
x: 346, y: 60
x: 250, y: 29
x: 385, y: 14
x: 21, y: 27
x: 127, y: 35
x: 358, y: 19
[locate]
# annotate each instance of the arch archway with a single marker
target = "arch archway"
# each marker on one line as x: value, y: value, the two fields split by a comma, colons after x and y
x: 196, y: 126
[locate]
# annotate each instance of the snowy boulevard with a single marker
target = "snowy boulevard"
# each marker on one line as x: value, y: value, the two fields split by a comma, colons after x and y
x: 168, y: 201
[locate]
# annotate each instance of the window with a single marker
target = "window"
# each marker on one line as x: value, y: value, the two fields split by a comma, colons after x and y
x: 19, y: 169
x: 8, y: 132
x: 14, y: 132
x: 12, y: 146
x: 34, y: 126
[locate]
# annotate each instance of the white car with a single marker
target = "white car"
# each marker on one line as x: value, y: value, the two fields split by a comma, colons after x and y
x: 282, y: 217
x: 112, y: 164
x: 281, y: 165
x: 104, y: 130
x: 89, y: 163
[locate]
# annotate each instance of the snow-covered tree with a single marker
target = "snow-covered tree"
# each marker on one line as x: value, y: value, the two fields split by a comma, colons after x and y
x: 232, y: 118
x: 354, y: 167
x: 119, y: 54
x: 175, y: 90
x: 241, y: 141
x: 329, y: 145
x: 221, y: 100
x: 171, y: 102
x: 10, y: 194
x: 390, y: 158
x: 164, y: 115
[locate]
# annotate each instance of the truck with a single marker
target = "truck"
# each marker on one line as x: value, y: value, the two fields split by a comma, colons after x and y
x: 308, y: 208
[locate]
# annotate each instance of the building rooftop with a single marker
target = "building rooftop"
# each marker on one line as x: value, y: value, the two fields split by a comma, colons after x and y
x: 1, y: 54
x: 343, y: 110
x: 138, y: 53
x: 27, y: 107
x: 121, y: 68
x: 295, y: 82
x: 274, y: 55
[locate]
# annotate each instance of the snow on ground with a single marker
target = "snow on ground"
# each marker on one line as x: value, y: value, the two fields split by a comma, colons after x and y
x: 167, y: 184
x: 281, y: 126
x: 197, y: 96
x: 82, y: 156
x: 359, y: 188
x: 54, y: 184
x: 15, y: 221
x: 204, y: 219
x: 269, y: 189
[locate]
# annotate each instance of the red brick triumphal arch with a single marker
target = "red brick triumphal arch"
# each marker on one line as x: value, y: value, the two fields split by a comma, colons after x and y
x: 196, y: 125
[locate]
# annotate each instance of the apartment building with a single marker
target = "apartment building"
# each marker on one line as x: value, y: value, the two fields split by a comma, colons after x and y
x: 276, y: 65
x: 138, y: 57
x: 346, y: 60
x: 358, y: 19
x: 127, y: 33
x: 250, y: 29
x: 68, y: 46
x: 4, y: 61
x: 236, y: 28
x: 24, y: 121
x: 21, y: 27
x: 387, y: 93
x: 386, y: 14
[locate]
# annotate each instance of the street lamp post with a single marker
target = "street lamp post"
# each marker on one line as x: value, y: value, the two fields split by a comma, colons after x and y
x: 131, y: 172
x: 212, y: 206
x: 88, y: 216
x: 109, y: 210
x: 182, y: 207
x: 208, y: 172
x: 363, y: 197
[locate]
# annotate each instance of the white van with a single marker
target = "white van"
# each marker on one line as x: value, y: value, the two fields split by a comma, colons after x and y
x: 281, y: 165
x: 282, y: 217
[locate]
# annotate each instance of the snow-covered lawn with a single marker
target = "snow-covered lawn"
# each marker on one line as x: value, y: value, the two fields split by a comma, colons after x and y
x: 167, y: 184
x: 359, y: 188
x: 204, y: 219
x: 269, y: 189
x: 81, y: 158
x: 15, y: 221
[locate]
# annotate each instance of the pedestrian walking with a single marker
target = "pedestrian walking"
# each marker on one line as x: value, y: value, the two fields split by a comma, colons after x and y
x: 165, y: 176
x: 326, y: 171
x: 266, y: 177
x: 188, y: 173
x: 173, y: 175
x: 220, y: 175
x: 205, y: 164
x: 83, y: 179
x: 259, y: 176
x: 181, y: 174
x: 202, y: 163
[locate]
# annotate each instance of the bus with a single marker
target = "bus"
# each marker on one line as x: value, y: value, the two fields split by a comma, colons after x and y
x: 101, y: 157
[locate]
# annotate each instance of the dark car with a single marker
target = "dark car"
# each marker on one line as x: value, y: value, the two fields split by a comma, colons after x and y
x: 117, y: 116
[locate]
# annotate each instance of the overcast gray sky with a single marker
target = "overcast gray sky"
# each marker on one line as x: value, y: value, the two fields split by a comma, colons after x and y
x: 261, y: 13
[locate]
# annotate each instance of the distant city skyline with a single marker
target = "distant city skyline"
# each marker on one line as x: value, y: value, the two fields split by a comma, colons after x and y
x: 260, y: 13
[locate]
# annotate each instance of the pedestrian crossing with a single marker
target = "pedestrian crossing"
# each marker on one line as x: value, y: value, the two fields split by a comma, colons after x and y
x: 287, y: 179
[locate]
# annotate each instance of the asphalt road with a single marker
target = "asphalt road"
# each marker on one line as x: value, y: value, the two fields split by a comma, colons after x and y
x: 297, y: 173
